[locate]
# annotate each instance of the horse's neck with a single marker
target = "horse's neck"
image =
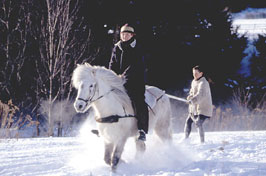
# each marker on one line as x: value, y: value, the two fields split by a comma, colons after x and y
x: 108, y: 104
x: 103, y: 88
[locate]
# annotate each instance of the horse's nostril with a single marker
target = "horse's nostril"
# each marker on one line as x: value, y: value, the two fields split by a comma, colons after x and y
x: 80, y: 106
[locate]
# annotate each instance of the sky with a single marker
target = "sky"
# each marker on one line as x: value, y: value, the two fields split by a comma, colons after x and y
x: 225, y: 153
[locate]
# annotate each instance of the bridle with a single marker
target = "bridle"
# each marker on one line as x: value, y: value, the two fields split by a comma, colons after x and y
x: 91, y: 100
x: 108, y: 119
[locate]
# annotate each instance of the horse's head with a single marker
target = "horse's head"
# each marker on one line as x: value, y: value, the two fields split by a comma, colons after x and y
x: 84, y: 81
x: 94, y: 83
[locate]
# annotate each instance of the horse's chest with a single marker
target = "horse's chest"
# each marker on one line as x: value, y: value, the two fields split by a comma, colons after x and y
x: 114, y: 132
x: 110, y: 131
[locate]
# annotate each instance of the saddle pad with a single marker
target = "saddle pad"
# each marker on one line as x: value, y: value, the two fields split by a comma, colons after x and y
x: 150, y: 99
x: 152, y: 94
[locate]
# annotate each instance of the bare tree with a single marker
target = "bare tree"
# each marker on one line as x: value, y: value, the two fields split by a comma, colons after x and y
x: 14, y: 29
x: 63, y: 42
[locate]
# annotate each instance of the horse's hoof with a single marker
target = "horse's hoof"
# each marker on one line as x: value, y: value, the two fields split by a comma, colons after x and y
x: 113, y: 168
x: 141, y: 146
x: 108, y: 162
x: 114, y: 163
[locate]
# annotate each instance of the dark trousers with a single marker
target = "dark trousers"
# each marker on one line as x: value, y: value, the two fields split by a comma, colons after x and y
x: 141, y: 111
x: 198, y: 119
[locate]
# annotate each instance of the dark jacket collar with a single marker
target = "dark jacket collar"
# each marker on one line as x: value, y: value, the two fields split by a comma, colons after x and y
x: 199, y: 78
x: 132, y: 43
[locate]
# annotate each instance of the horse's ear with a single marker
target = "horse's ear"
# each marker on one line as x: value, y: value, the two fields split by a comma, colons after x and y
x: 123, y: 77
x: 87, y: 64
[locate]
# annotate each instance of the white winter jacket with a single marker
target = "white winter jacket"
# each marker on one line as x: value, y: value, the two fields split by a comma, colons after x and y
x: 200, y: 96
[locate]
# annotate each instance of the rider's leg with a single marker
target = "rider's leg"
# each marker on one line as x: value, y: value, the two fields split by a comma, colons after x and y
x: 142, y: 116
x: 137, y: 97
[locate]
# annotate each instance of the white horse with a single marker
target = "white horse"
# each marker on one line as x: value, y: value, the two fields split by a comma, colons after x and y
x: 103, y: 89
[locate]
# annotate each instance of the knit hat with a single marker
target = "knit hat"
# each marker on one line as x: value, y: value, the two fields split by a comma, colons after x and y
x: 127, y: 28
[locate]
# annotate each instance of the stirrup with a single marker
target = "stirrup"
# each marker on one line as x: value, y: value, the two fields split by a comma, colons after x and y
x: 96, y: 132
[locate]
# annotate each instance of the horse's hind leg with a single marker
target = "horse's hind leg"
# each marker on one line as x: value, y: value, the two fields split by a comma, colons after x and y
x: 108, y: 152
x: 163, y: 127
x: 117, y: 154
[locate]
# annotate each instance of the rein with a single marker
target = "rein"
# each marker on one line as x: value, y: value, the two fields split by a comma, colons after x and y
x: 108, y: 119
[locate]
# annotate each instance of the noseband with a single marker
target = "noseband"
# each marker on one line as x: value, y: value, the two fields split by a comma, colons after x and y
x: 89, y: 99
x: 86, y: 101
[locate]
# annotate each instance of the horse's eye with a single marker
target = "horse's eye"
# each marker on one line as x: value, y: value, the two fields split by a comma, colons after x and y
x: 91, y: 86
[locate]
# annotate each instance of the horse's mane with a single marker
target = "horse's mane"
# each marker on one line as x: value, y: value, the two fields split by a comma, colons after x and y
x: 116, y: 82
x: 110, y: 77
x: 80, y: 73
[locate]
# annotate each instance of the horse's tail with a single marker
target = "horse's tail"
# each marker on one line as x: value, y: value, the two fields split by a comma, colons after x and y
x: 176, y: 98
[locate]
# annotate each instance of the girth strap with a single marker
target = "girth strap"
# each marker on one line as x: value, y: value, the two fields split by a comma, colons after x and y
x: 111, y: 119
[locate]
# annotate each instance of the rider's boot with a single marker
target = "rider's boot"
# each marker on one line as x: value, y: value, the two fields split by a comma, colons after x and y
x: 142, y: 135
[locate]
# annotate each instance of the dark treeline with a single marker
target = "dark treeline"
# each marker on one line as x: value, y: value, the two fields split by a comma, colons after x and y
x: 176, y: 37
x: 239, y: 5
x: 42, y: 41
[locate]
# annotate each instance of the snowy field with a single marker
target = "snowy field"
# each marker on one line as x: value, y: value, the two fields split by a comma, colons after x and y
x: 250, y: 27
x: 224, y: 153
x: 250, y: 22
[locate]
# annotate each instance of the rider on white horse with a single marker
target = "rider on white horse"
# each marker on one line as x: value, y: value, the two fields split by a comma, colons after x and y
x: 127, y: 59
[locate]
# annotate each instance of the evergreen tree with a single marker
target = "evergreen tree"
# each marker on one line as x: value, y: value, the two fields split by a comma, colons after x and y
x: 218, y: 46
x: 258, y: 61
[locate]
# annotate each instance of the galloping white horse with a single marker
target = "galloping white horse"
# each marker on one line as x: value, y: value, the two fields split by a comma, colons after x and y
x: 103, y: 89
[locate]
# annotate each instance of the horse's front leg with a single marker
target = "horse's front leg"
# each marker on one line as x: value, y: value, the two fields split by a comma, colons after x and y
x: 108, y: 149
x: 117, y: 154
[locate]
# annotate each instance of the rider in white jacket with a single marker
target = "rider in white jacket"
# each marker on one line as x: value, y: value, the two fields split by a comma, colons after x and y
x: 200, y: 103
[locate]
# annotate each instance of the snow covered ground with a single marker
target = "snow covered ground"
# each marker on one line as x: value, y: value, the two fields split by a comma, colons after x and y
x: 250, y: 22
x: 224, y: 153
x: 251, y: 27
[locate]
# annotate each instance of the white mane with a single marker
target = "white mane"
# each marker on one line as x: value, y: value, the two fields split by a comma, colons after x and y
x: 109, y: 77
x: 81, y: 73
